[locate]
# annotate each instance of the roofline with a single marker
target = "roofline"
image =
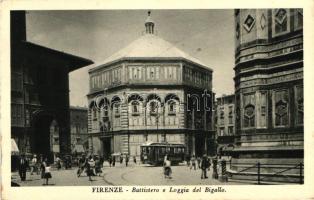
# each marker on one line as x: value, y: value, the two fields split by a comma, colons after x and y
x: 80, y: 61
x: 226, y: 96
x: 148, y: 59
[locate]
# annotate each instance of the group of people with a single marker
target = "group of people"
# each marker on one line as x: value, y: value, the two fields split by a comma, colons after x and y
x: 41, y: 166
x: 92, y: 165
x: 126, y: 158
x: 203, y: 163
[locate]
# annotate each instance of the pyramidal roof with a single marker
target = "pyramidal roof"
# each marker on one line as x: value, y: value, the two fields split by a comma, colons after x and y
x: 150, y: 47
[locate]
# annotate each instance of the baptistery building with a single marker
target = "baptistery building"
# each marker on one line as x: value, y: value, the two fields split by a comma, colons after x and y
x: 150, y: 91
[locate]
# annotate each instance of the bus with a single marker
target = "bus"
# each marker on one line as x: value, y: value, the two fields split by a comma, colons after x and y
x: 153, y: 153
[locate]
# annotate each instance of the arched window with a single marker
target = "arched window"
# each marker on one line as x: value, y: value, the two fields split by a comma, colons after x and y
x: 172, y: 107
x: 116, y: 108
x: 135, y: 107
x: 105, y: 111
x: 153, y: 107
x: 94, y: 111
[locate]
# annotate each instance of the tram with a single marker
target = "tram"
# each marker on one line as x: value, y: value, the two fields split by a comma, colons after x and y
x: 154, y: 153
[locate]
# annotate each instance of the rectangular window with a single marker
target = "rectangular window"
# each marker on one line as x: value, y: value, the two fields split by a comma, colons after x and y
x: 222, y: 116
x: 222, y: 131
x: 281, y: 108
x: 248, y: 110
x: 16, y: 82
x: 299, y: 100
x: 230, y: 117
x: 230, y: 130
x: 17, y: 115
x: 27, y: 117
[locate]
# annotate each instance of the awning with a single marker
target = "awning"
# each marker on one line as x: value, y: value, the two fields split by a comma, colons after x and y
x: 78, y: 149
x: 14, y: 148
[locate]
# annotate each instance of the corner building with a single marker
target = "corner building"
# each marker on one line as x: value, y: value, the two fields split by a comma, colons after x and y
x: 269, y: 91
x: 40, y: 120
x: 150, y: 91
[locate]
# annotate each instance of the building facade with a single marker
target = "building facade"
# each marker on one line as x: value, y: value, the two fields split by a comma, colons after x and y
x: 150, y: 91
x: 79, y: 135
x: 269, y: 87
x: 39, y: 93
x: 225, y: 124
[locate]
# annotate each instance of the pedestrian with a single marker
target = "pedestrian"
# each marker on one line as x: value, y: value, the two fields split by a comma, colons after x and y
x: 43, y: 167
x: 34, y: 164
x: 47, y: 174
x: 198, y: 162
x: 90, y: 167
x: 209, y: 163
x: 81, y: 165
x: 121, y: 158
x: 167, y: 168
x: 113, y: 161
x: 98, y: 165
x: 204, y: 167
x: 134, y: 159
x: 58, y: 162
x: 188, y: 161
x: 127, y: 159
x: 110, y: 160
x: 193, y: 164
x: 23, y: 165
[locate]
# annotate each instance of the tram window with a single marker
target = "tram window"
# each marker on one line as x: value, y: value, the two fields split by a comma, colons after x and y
x: 171, y: 150
x: 168, y: 149
x: 148, y: 150
x: 163, y: 150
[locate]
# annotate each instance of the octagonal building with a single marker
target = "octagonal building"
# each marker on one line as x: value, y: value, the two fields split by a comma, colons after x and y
x: 150, y: 91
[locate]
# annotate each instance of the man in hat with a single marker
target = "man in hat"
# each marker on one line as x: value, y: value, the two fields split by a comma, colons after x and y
x: 23, y: 165
x: 204, y: 166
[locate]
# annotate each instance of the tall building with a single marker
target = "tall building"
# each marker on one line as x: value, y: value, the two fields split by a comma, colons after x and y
x: 79, y: 135
x: 269, y: 90
x: 225, y: 124
x: 150, y: 91
x: 39, y: 93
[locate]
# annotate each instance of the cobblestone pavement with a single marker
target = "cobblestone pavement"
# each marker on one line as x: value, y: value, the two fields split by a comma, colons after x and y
x: 121, y: 175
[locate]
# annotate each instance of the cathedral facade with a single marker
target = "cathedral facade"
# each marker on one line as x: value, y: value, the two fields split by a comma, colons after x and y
x: 269, y: 89
x: 150, y: 91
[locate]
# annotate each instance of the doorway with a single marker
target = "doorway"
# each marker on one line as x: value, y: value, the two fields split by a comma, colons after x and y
x: 41, y: 137
x: 107, y: 147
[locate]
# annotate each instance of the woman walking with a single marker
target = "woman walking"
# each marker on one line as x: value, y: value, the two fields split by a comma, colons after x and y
x: 47, y: 174
x: 167, y: 168
x: 43, y: 168
x: 193, y: 164
x: 90, y: 167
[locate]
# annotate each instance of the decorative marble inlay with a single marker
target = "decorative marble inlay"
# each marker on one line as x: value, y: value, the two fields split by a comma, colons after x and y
x: 249, y: 23
x: 281, y: 15
x: 263, y: 21
x: 300, y: 11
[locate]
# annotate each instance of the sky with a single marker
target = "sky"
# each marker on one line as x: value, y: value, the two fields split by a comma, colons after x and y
x: 207, y: 35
